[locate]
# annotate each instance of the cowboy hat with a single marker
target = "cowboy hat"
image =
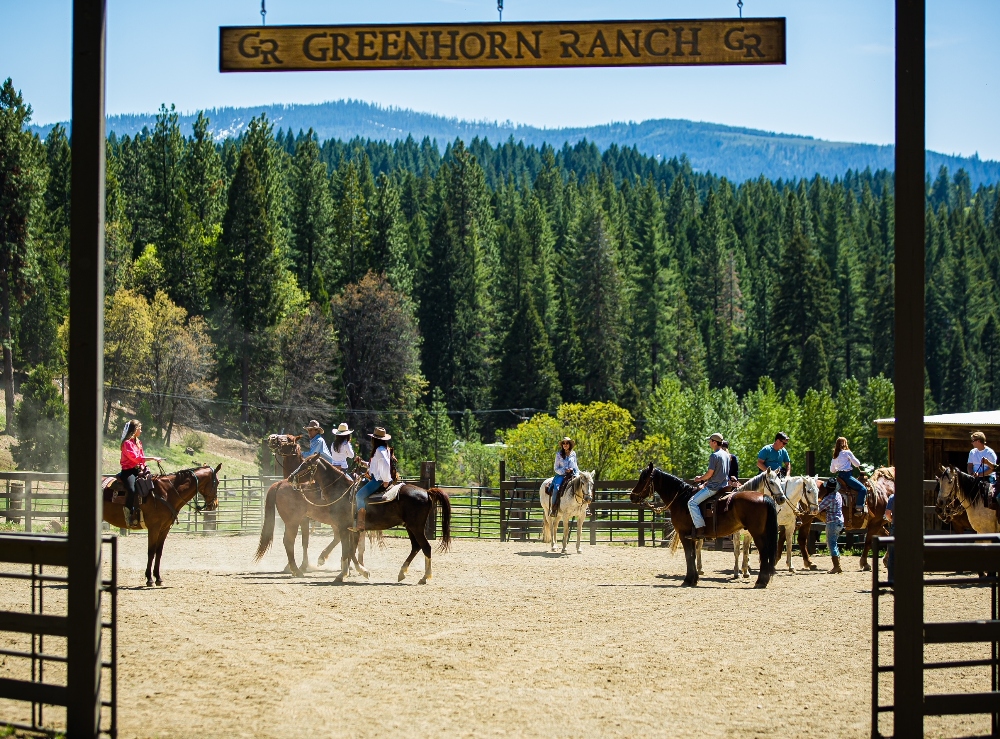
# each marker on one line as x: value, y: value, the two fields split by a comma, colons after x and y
x: 314, y: 425
x: 717, y: 437
x: 379, y: 434
x: 344, y: 430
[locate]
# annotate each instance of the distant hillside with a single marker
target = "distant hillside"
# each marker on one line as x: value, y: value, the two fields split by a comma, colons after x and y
x: 736, y: 153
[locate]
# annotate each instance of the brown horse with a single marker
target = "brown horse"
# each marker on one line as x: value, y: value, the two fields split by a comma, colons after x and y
x: 881, y: 485
x: 296, y: 504
x: 754, y: 512
x: 161, y: 507
x: 410, y: 509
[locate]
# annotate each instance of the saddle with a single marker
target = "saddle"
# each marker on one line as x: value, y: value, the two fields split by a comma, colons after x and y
x: 115, y: 491
x: 386, y: 495
x: 717, y: 504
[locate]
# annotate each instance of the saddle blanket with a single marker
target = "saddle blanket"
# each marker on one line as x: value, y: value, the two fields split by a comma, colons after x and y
x: 392, y: 492
x: 114, y: 489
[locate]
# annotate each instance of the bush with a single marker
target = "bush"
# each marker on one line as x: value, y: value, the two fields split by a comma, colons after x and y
x: 195, y: 441
x: 40, y: 419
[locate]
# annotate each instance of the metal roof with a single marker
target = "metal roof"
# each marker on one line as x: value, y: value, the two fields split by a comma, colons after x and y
x: 976, y: 418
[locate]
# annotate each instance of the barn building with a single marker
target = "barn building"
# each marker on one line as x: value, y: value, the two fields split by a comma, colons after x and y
x: 946, y: 437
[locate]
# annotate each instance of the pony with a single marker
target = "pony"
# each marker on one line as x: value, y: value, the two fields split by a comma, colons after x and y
x: 577, y: 494
x: 881, y: 484
x: 410, y: 508
x: 754, y: 512
x: 162, y: 506
x: 961, y: 492
x: 797, y: 492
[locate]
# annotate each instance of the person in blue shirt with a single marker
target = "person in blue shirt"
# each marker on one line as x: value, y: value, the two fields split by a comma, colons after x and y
x: 565, y: 468
x: 775, y: 456
x: 317, y: 444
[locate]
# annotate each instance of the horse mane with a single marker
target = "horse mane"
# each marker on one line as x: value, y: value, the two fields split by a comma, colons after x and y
x: 972, y: 487
x: 684, y: 489
x: 753, y: 484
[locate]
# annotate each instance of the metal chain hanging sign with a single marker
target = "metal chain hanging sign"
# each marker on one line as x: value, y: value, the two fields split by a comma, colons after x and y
x: 730, y: 41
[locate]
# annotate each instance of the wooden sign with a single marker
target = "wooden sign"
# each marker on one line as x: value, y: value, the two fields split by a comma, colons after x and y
x: 502, y: 45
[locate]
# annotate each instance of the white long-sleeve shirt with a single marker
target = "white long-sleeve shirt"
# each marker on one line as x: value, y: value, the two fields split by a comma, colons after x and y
x: 381, y: 466
x: 844, y: 461
x: 340, y: 458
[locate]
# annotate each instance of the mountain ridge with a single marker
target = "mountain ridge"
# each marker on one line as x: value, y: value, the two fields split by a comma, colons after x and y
x: 736, y: 152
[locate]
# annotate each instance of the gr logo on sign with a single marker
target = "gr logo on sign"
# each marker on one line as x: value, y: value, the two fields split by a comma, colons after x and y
x: 252, y: 46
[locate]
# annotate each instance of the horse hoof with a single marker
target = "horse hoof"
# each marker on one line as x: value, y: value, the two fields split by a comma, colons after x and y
x: 422, y: 581
x: 321, y: 561
x: 149, y: 583
x: 701, y: 572
x: 338, y: 579
x: 305, y: 568
x: 365, y: 574
x: 159, y: 582
x: 813, y: 567
x: 866, y: 567
x: 402, y: 576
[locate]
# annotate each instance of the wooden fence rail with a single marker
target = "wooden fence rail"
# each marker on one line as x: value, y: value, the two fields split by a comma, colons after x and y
x: 510, y: 512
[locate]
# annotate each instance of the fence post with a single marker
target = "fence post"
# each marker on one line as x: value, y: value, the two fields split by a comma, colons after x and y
x: 503, y: 479
x: 593, y: 521
x: 27, y: 504
x: 427, y: 482
x: 810, y: 462
x: 642, y: 527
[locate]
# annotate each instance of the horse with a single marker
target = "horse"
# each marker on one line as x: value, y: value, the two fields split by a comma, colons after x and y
x: 958, y: 490
x: 296, y: 504
x: 161, y: 507
x: 754, y: 512
x: 798, y: 491
x: 410, y: 508
x: 881, y: 484
x: 577, y: 494
x: 287, y: 448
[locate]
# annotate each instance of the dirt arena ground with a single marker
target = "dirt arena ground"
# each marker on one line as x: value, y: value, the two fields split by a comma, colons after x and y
x: 507, y: 640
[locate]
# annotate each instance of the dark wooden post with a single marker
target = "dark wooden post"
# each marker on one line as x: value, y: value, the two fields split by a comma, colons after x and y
x: 810, y: 462
x: 86, y: 370
x: 908, y: 607
x: 427, y: 474
x: 503, y: 513
x: 642, y: 526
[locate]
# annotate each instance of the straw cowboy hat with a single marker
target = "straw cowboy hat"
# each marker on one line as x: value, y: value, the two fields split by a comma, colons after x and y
x: 314, y: 425
x: 379, y: 434
x: 344, y: 430
x: 567, y: 439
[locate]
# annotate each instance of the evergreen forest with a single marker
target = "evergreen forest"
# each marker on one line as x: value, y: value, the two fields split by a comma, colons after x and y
x: 452, y: 293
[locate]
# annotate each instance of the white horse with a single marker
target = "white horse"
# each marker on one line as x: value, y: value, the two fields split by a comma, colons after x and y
x: 797, y: 492
x: 577, y: 494
x: 956, y: 488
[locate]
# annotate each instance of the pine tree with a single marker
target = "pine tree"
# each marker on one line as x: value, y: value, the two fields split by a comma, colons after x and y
x: 815, y: 369
x: 392, y: 252
x: 312, y: 219
x: 205, y: 177
x: 989, y: 345
x: 526, y: 376
x: 41, y: 424
x: 22, y: 182
x: 957, y: 386
x: 598, y: 299
x: 351, y: 231
x: 248, y: 268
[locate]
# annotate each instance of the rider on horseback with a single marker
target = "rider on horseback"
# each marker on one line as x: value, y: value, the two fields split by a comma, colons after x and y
x: 983, y: 463
x: 342, y: 449
x: 317, y: 444
x: 380, y: 469
x: 842, y: 463
x: 775, y: 456
x: 565, y: 468
x: 133, y: 462
x: 714, y: 480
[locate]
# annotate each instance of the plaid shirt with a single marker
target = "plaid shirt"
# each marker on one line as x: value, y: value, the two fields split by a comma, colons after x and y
x: 834, y: 507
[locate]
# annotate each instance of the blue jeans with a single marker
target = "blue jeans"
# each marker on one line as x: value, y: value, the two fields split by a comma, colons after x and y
x: 699, y: 497
x: 361, y: 498
x: 557, y: 481
x: 832, y: 535
x: 856, y: 485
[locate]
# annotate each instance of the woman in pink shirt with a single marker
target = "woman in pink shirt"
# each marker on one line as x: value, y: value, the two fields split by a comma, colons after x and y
x: 133, y: 462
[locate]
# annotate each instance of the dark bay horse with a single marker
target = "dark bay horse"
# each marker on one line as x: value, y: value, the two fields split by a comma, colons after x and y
x: 754, y: 512
x: 409, y: 509
x: 161, y: 507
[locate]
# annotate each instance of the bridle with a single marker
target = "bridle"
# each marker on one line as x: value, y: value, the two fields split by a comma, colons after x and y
x: 953, y: 505
x: 648, y: 491
x: 311, y: 469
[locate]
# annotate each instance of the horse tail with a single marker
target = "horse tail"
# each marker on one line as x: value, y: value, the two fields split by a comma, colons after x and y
x: 439, y: 496
x: 769, y: 543
x: 267, y: 530
x: 675, y: 540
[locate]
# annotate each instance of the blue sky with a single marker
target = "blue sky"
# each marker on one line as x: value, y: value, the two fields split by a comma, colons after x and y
x: 837, y: 84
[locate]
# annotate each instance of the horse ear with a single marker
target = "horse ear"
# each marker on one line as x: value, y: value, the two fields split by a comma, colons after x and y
x: 218, y: 468
x: 649, y: 467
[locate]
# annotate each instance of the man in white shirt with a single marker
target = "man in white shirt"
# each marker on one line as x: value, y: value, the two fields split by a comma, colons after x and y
x: 982, y: 459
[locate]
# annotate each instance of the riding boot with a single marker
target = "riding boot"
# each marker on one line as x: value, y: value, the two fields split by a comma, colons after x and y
x: 699, y: 533
x: 836, y: 566
x: 360, y: 525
